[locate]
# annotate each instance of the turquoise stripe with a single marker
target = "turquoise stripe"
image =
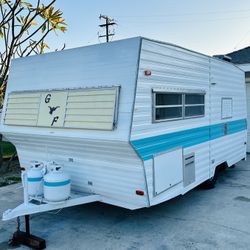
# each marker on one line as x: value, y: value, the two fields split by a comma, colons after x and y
x: 56, y: 184
x: 237, y: 126
x: 216, y: 131
x: 35, y: 179
x: 147, y: 147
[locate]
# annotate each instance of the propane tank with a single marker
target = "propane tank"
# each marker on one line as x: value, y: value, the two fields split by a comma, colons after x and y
x: 56, y: 183
x: 35, y: 179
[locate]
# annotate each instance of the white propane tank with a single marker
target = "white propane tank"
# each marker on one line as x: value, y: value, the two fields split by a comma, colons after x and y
x: 56, y: 184
x: 35, y: 179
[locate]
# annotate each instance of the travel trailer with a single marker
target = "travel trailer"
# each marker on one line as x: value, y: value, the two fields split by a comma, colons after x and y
x: 133, y: 122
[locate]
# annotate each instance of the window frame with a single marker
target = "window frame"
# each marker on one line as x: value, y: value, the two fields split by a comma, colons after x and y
x: 183, y: 105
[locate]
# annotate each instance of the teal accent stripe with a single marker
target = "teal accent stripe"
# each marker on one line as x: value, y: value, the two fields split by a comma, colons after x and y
x: 236, y: 126
x: 147, y: 147
x: 56, y: 184
x: 35, y: 179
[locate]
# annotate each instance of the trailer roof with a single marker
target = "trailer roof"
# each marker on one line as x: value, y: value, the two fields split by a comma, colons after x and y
x: 141, y: 38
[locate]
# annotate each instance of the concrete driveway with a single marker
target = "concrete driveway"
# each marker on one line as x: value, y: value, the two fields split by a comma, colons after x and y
x: 201, y: 219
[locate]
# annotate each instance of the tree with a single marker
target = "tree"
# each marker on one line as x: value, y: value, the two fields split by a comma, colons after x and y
x: 23, y: 29
x: 24, y: 26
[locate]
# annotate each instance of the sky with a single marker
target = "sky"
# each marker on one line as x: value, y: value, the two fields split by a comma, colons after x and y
x: 207, y: 26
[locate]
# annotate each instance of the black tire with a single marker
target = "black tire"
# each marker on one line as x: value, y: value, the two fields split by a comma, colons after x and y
x: 223, y: 166
x: 210, y: 183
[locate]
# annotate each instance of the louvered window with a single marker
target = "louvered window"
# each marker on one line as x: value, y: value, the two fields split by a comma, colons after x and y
x: 79, y: 108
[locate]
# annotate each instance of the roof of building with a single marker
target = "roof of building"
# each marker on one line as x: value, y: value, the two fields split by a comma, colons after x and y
x: 240, y: 56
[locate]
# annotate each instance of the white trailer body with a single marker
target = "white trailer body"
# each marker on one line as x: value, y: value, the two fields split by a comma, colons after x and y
x: 138, y: 121
x: 246, y: 68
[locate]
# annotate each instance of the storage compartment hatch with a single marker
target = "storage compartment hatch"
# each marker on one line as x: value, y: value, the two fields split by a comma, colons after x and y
x: 168, y: 170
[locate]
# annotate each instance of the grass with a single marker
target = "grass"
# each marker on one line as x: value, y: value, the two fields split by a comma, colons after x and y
x: 9, y: 180
x: 8, y: 149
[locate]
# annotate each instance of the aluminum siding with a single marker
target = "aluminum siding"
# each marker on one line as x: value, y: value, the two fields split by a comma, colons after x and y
x: 246, y: 68
x: 174, y: 68
x: 227, y: 81
x: 101, y: 162
x: 102, y: 65
x: 109, y: 168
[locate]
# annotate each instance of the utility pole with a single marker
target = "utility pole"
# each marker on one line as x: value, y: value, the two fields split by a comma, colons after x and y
x: 108, y: 22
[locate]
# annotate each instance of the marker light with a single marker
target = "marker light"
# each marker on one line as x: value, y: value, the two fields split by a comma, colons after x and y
x: 147, y: 72
x: 139, y: 192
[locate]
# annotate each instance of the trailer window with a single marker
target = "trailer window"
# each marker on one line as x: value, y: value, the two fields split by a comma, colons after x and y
x: 168, y: 106
x: 173, y: 106
x: 168, y: 113
x: 168, y: 99
x: 194, y: 105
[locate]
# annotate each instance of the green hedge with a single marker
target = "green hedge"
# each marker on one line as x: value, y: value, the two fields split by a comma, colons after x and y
x: 8, y: 149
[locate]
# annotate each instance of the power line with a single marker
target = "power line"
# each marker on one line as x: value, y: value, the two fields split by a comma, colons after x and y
x: 187, y: 20
x: 186, y: 14
x: 108, y: 22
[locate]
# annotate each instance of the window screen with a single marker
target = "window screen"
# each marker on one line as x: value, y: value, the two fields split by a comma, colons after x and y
x: 172, y: 106
x: 194, y: 111
x: 168, y: 106
x: 226, y: 108
x: 194, y: 99
x: 194, y: 105
x: 168, y: 99
x: 168, y: 113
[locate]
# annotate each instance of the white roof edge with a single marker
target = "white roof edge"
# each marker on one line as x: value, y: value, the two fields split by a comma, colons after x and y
x: 136, y: 37
x: 175, y: 45
x: 79, y: 47
x: 193, y: 51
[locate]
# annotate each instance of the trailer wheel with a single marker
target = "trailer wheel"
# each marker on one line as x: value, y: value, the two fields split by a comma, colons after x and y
x: 210, y: 183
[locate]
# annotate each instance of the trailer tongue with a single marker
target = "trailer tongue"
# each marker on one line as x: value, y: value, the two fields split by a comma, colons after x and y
x: 38, y: 204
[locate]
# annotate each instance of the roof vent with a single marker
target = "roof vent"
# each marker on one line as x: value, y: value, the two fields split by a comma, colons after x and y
x: 224, y: 57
